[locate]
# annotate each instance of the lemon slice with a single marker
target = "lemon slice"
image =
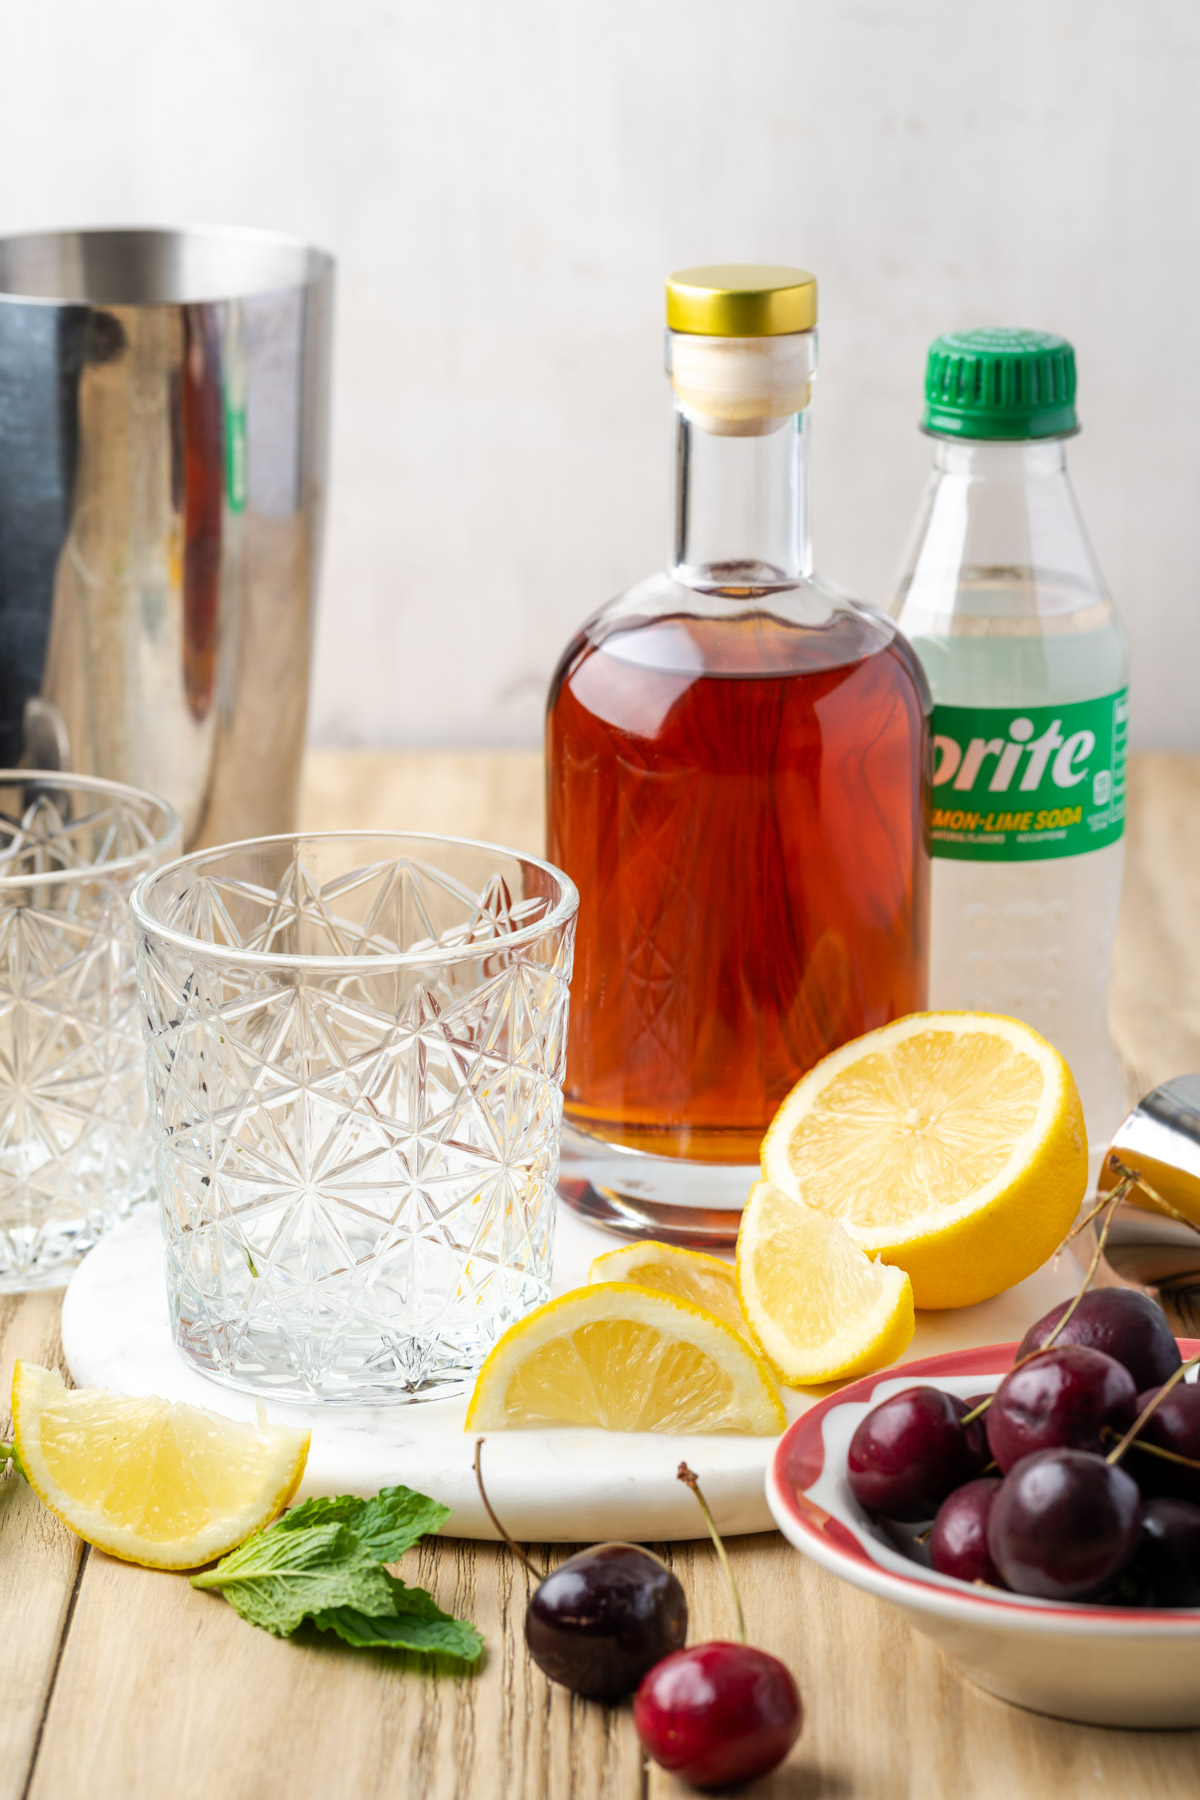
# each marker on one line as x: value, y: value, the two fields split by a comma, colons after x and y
x: 626, y: 1359
x: 704, y: 1280
x: 950, y: 1144
x: 819, y: 1309
x: 166, y: 1486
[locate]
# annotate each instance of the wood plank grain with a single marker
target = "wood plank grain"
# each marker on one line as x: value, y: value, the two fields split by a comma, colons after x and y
x: 39, y: 1560
x: 495, y: 795
x: 165, y: 1691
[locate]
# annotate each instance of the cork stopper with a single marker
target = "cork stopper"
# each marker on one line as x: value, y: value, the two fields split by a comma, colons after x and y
x: 743, y: 386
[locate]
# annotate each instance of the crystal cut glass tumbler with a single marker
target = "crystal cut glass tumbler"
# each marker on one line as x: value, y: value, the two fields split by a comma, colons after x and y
x: 75, y: 1146
x: 356, y: 1045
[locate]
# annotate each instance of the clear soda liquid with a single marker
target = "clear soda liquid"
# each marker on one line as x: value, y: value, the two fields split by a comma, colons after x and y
x: 1029, y: 626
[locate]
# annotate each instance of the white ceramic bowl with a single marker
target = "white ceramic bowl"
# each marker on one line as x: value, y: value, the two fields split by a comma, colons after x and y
x: 1098, y: 1665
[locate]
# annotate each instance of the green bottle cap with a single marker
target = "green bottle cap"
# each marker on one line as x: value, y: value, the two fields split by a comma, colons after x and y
x: 1000, y: 384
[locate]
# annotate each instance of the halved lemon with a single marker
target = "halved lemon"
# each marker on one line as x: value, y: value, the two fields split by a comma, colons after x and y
x: 704, y: 1280
x: 819, y: 1308
x: 952, y: 1144
x: 155, y: 1483
x: 626, y: 1359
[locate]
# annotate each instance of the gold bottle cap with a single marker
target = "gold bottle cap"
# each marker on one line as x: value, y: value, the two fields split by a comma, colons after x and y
x: 741, y: 300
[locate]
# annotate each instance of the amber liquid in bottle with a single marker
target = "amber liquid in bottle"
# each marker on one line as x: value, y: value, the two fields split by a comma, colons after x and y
x: 738, y: 800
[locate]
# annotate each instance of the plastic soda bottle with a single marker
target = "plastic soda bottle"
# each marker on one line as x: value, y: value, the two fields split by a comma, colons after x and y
x: 1028, y: 665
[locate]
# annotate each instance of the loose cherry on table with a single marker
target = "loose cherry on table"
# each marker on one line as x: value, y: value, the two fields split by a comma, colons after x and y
x: 722, y: 1713
x: 602, y: 1618
x: 614, y: 1617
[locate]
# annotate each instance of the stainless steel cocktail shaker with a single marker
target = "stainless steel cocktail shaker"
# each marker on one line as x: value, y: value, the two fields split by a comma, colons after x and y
x: 164, y: 403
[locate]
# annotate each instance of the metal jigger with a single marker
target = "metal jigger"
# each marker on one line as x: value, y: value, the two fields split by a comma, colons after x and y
x: 1155, y: 1238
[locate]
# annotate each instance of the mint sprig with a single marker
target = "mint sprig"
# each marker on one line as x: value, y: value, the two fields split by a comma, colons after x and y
x: 277, y: 1579
x: 323, y: 1561
x: 419, y: 1624
x: 387, y: 1526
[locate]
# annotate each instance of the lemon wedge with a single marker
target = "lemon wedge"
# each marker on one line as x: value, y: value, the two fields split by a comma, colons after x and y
x: 704, y: 1280
x: 951, y: 1144
x: 819, y: 1309
x: 626, y: 1359
x: 154, y: 1483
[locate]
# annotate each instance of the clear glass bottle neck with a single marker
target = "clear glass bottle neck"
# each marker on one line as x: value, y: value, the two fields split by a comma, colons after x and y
x: 741, y: 504
x: 1022, y: 459
x: 999, y: 543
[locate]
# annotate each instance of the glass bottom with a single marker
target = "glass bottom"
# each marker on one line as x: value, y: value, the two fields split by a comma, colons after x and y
x: 280, y: 1345
x: 641, y: 1196
x: 42, y: 1244
x: 271, y: 1380
x: 47, y: 1257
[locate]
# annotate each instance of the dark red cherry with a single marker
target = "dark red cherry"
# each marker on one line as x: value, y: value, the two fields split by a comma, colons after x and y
x: 717, y: 1714
x: 1064, y: 1525
x: 910, y: 1451
x: 1167, y: 1559
x: 1066, y: 1398
x: 1124, y: 1324
x: 1173, y: 1425
x: 958, y: 1543
x: 603, y: 1617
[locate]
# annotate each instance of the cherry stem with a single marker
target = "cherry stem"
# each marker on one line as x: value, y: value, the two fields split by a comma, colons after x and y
x: 1114, y: 1456
x: 1095, y: 1213
x: 1108, y: 1206
x: 487, y: 1507
x: 1139, y: 1180
x: 688, y: 1477
x: 1186, y: 1462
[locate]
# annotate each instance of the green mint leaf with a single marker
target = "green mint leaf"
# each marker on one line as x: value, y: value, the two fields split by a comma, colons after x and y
x: 418, y: 1624
x: 277, y: 1578
x: 387, y: 1526
x: 322, y: 1509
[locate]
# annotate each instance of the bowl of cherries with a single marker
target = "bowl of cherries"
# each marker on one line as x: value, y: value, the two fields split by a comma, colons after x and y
x: 1033, y: 1508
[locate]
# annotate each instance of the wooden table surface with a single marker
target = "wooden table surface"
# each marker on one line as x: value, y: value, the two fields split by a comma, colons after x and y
x: 118, y: 1682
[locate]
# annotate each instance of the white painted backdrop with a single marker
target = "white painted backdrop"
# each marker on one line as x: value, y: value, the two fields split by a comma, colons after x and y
x: 505, y: 183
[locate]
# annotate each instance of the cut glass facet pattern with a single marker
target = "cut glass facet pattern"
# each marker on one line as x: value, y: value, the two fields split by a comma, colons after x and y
x: 75, y: 1150
x: 358, y: 1119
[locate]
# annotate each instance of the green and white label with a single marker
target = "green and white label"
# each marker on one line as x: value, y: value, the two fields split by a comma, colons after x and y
x: 1013, y: 784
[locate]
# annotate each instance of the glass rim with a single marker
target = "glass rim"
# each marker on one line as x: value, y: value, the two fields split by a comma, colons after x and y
x: 563, y: 909
x: 132, y: 861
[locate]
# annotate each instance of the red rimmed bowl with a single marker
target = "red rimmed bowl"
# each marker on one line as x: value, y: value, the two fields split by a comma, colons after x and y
x: 1098, y: 1665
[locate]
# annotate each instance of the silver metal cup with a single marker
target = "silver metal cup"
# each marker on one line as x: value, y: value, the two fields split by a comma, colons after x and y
x: 164, y: 401
x: 1159, y: 1142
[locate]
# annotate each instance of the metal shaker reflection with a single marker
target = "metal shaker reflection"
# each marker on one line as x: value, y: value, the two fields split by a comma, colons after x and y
x: 163, y: 434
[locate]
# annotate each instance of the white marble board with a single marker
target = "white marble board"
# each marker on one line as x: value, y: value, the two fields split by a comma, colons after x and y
x: 548, y: 1486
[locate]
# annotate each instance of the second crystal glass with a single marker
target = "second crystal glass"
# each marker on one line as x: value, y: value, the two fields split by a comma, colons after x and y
x: 356, y: 1046
x: 74, y: 1139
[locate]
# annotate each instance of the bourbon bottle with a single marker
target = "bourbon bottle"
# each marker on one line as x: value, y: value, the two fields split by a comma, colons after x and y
x: 736, y: 768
